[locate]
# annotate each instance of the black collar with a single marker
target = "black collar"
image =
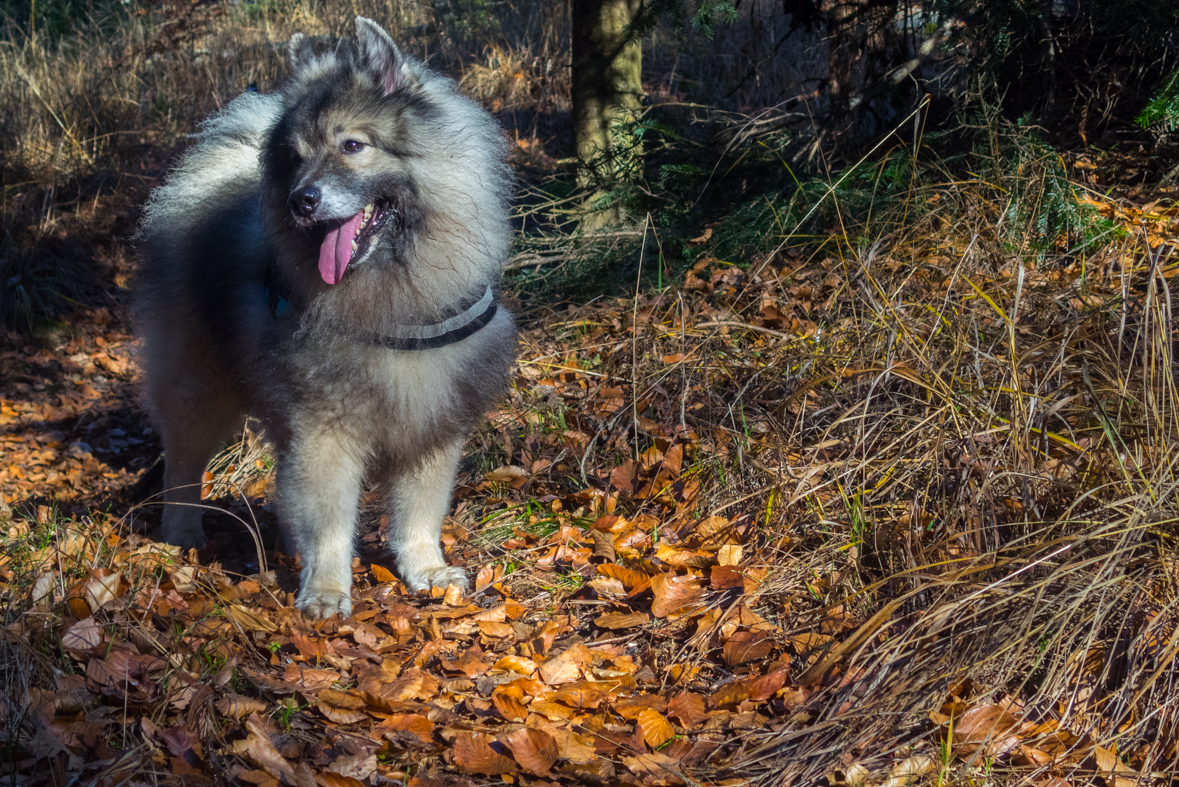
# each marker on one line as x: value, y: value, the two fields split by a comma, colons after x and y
x: 454, y: 329
x: 472, y: 315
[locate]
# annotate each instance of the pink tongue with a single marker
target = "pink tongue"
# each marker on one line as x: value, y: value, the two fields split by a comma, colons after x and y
x: 336, y: 250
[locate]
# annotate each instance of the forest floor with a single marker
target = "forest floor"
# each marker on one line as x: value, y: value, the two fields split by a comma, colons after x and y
x: 902, y: 515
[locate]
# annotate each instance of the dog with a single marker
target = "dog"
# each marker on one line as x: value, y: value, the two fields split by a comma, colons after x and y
x: 327, y: 259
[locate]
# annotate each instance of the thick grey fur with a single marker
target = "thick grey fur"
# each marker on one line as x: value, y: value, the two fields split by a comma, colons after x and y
x: 337, y: 408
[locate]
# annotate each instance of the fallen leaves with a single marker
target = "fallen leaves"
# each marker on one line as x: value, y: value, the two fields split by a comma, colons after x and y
x: 621, y: 620
x: 535, y: 750
x: 656, y: 729
x: 477, y: 752
x: 259, y: 748
x: 640, y: 611
x: 674, y: 594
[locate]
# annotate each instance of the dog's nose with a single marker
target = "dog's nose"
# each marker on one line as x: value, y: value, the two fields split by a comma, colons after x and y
x: 304, y: 201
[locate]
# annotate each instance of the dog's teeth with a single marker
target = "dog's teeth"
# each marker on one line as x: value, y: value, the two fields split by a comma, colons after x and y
x: 354, y: 246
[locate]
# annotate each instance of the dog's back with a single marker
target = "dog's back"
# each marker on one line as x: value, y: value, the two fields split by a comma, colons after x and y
x: 204, y: 253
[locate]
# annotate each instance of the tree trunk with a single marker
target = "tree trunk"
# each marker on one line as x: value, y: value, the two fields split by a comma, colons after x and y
x: 607, y: 87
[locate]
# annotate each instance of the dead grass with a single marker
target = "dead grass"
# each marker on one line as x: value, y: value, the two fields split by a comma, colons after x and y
x: 990, y: 443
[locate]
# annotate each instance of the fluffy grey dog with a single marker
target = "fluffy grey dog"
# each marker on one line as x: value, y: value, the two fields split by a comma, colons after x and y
x: 327, y: 259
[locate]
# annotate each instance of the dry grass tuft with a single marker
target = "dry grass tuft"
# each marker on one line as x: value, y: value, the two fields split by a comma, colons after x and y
x: 991, y: 445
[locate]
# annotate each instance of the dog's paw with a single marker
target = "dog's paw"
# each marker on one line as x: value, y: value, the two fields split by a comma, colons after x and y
x: 324, y: 604
x: 436, y: 576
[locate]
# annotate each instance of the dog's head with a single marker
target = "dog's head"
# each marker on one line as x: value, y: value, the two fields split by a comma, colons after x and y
x: 342, y: 153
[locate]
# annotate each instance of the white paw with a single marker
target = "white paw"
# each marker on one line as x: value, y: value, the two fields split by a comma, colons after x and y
x: 318, y: 604
x: 185, y: 538
x: 435, y: 576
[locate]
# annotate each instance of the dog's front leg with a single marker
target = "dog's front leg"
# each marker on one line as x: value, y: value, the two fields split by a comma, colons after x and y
x: 419, y: 499
x: 318, y: 486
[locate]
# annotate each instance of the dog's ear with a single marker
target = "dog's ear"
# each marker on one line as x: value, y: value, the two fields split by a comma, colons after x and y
x: 300, y: 51
x: 381, y: 56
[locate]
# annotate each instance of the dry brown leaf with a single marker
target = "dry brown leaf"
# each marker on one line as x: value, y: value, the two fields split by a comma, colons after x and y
x: 535, y: 750
x: 673, y: 593
x: 311, y: 649
x: 495, y: 630
x: 629, y: 578
x: 474, y: 753
x: 236, y: 706
x: 410, y: 723
x: 729, y: 694
x: 486, y: 575
x: 103, y: 585
x: 509, y: 707
x: 341, y: 707
x: 673, y: 459
x: 631, y: 707
x: 517, y: 664
x: 566, y: 666
x: 470, y: 664
x: 655, y: 728
x: 76, y: 600
x: 580, y: 696
x: 357, y: 767
x: 250, y: 621
x: 987, y: 728
x: 309, y: 678
x: 507, y: 473
x: 725, y: 577
x: 606, y: 587
x: 259, y: 749
x: 453, y: 596
x: 382, y: 574
x: 1110, y: 765
x: 761, y: 689
x: 413, y: 684
x: 984, y: 721
x: 571, y: 746
x: 729, y: 555
x: 621, y: 620
x: 1031, y: 756
x: 551, y: 710
x: 612, y: 524
x: 688, y: 708
x: 746, y: 646
x: 712, y: 529
x: 658, y: 768
x: 42, y: 592
x: 83, y: 635
x: 603, y: 545
x: 907, y: 770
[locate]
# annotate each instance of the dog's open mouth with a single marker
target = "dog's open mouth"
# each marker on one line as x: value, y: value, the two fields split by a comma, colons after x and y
x: 349, y: 239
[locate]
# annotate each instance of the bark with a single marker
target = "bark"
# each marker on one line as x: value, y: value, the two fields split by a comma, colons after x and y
x: 607, y: 85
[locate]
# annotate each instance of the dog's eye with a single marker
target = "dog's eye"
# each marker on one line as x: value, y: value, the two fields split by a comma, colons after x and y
x: 351, y: 146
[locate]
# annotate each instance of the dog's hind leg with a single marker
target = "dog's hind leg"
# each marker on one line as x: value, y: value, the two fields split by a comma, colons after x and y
x: 318, y: 484
x: 419, y: 499
x: 194, y: 421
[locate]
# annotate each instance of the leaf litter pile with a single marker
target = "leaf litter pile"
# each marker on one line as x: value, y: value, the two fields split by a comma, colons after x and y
x: 891, y: 516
